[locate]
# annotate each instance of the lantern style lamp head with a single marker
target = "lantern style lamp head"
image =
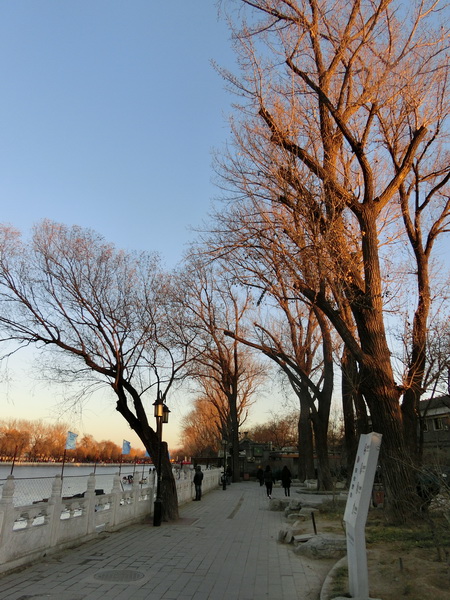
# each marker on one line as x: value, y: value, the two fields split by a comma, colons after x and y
x: 161, y: 410
x: 159, y: 407
x: 165, y: 416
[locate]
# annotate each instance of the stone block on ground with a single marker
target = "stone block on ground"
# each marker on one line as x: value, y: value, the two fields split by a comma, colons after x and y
x: 285, y: 536
x: 307, y: 510
x: 297, y: 527
x: 298, y: 515
x: 323, y: 546
x: 282, y: 534
x: 295, y: 505
x: 289, y: 537
x: 291, y: 517
x: 276, y: 504
x: 303, y: 537
x: 311, y: 484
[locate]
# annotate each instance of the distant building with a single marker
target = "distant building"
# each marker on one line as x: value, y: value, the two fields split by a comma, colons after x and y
x: 435, y: 415
x: 254, y: 452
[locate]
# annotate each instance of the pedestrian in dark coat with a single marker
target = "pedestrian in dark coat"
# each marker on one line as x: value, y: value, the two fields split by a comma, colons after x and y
x: 198, y: 478
x: 260, y: 476
x: 286, y: 480
x: 268, y: 480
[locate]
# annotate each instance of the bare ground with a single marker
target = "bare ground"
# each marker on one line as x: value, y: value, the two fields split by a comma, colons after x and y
x: 397, y: 570
x: 394, y: 575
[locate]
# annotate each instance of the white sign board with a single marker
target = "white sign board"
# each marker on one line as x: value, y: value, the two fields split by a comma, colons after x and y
x: 356, y: 510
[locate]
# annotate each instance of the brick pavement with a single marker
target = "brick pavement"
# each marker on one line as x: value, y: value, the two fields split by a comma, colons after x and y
x: 224, y: 547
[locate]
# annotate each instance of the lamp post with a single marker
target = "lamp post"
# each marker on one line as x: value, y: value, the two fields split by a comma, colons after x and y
x: 224, y: 476
x: 162, y: 416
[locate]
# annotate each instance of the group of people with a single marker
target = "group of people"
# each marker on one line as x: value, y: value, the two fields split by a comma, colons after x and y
x: 267, y: 478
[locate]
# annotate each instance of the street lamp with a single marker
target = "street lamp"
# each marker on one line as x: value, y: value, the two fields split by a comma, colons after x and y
x: 224, y: 476
x: 162, y: 416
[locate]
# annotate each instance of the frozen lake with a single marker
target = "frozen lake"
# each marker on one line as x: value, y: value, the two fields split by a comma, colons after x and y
x: 33, y: 482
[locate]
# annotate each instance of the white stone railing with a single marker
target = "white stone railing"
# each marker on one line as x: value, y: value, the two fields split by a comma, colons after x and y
x: 29, y: 532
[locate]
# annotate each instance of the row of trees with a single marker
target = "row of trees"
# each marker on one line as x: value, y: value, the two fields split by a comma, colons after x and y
x: 201, y: 429
x: 38, y: 441
x: 337, y: 193
x: 336, y: 187
x: 103, y: 316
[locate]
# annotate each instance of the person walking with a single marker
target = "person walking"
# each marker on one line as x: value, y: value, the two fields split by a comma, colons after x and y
x: 286, y: 480
x: 229, y: 474
x: 268, y: 480
x: 260, y: 476
x: 198, y: 478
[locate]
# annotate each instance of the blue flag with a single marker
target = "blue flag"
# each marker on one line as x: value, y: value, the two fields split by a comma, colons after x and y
x: 71, y: 440
x: 126, y: 447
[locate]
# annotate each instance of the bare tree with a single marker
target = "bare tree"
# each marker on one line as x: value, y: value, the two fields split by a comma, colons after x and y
x: 201, y: 430
x: 294, y: 346
x: 220, y: 364
x: 107, y: 311
x: 343, y: 122
x: 280, y: 431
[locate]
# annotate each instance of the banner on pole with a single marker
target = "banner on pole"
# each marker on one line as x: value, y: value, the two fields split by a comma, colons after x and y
x: 71, y: 440
x: 126, y: 447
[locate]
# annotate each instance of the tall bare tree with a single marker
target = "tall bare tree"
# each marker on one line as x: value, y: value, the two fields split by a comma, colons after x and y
x: 106, y: 315
x: 343, y: 117
x: 201, y: 430
x: 203, y: 427
x: 220, y: 364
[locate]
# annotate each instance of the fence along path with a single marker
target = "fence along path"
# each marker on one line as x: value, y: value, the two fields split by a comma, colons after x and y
x: 222, y: 547
x: 31, y: 531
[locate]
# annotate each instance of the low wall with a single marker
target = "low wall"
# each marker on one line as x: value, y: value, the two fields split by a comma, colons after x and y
x: 27, y: 533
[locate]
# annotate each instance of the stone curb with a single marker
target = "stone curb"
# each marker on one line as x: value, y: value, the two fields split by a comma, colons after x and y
x: 325, y: 592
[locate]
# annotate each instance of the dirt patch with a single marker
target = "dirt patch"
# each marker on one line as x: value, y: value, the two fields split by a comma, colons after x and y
x: 415, y: 575
x: 398, y: 570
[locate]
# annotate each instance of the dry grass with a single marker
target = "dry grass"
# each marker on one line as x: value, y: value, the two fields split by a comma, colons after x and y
x: 411, y: 562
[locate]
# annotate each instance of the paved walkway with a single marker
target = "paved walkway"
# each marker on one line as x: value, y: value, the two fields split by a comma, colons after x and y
x: 224, y: 547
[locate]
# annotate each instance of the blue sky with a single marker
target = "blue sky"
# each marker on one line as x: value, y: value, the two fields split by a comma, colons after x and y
x: 108, y: 114
x: 109, y: 111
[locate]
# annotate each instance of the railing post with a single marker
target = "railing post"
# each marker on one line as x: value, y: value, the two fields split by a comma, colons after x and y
x: 6, y: 516
x: 90, y: 504
x: 135, y: 494
x: 55, y: 505
x: 115, y: 500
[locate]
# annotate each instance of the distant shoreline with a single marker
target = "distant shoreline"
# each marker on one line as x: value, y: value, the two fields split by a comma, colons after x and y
x: 70, y: 464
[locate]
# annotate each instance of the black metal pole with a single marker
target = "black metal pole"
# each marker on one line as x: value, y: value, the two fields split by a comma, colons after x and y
x: 63, y: 463
x: 224, y: 476
x: 157, y: 507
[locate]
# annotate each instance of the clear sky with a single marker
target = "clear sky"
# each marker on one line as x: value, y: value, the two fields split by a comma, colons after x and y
x: 109, y: 111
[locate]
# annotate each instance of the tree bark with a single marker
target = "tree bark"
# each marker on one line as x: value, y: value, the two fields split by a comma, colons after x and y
x: 305, y: 443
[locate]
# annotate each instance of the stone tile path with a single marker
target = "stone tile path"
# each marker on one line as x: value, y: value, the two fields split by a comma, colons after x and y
x: 224, y: 547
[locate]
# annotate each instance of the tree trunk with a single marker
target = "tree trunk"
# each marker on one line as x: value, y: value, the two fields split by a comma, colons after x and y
x: 305, y: 444
x: 168, y: 488
x: 348, y: 368
x: 324, y: 479
x: 234, y: 434
x: 416, y: 370
x: 397, y: 473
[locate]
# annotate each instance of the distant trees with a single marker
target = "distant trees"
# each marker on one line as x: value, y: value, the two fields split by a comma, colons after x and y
x: 14, y: 439
x: 107, y: 316
x: 225, y: 372
x: 281, y: 432
x: 38, y: 441
x: 342, y: 142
